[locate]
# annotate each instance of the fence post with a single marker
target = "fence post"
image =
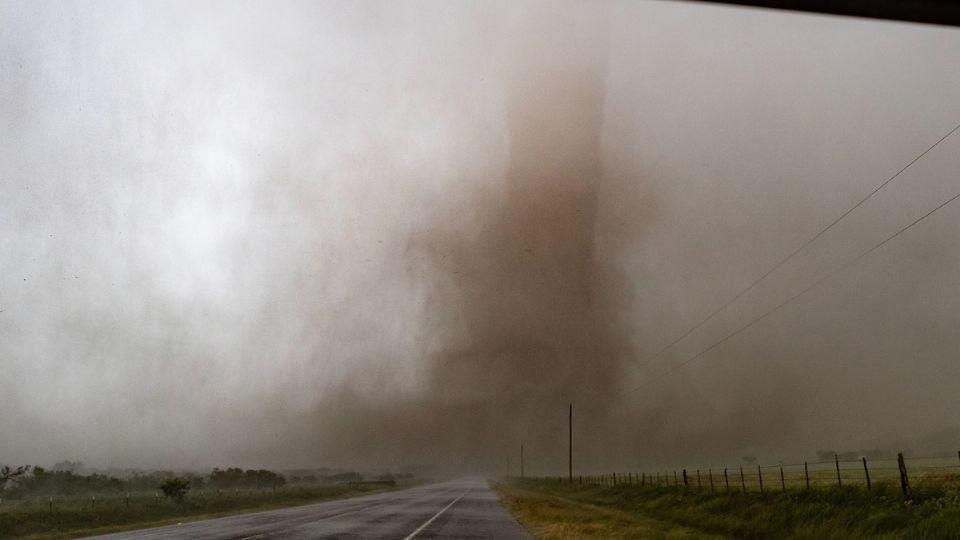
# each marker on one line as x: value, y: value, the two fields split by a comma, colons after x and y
x: 904, y: 481
x: 726, y: 479
x: 710, y: 473
x: 836, y: 460
x: 685, y: 484
x: 698, y: 481
x: 676, y: 482
x: 806, y: 474
x: 760, y: 477
x: 51, y: 503
x: 743, y: 482
x: 783, y: 484
x: 866, y: 472
x: 643, y: 479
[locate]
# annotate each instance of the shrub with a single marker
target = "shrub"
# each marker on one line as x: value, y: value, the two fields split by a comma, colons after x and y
x: 175, y: 488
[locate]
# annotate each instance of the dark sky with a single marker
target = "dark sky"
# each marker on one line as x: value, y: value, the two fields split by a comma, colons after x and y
x: 384, y: 234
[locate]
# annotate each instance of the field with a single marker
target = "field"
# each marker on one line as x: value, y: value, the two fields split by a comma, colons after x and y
x: 65, y: 517
x: 550, y: 509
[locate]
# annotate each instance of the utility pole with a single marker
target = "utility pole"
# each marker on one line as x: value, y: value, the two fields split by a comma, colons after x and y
x: 570, y: 456
x: 521, y: 460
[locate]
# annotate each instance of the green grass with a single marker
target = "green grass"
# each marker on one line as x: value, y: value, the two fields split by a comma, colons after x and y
x: 615, y: 511
x: 78, y: 516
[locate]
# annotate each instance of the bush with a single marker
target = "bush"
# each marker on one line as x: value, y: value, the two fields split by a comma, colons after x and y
x: 175, y: 488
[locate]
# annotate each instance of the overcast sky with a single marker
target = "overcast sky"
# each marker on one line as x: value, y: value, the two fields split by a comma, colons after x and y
x: 382, y: 234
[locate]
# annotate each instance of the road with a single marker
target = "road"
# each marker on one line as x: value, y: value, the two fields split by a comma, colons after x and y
x: 465, y: 508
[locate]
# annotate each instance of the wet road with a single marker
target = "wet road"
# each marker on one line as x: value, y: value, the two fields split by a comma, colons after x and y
x: 458, y: 509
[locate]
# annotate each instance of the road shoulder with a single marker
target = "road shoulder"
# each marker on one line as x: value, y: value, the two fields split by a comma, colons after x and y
x: 547, y: 516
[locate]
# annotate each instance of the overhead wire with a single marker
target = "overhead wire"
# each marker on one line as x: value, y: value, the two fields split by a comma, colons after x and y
x: 776, y: 308
x: 792, y: 254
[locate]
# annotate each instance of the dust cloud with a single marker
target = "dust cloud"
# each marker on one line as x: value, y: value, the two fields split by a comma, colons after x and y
x: 408, y: 235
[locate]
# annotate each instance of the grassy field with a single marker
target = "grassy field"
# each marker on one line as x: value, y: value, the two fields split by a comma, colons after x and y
x: 67, y: 517
x: 549, y: 510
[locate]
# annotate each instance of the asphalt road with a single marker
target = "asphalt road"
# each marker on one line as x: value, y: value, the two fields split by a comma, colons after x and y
x: 458, y: 509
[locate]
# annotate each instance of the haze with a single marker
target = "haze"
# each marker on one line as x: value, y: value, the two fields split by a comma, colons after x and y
x: 397, y: 234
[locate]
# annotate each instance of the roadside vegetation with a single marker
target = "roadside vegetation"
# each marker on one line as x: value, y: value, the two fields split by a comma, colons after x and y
x: 64, y: 503
x: 551, y: 509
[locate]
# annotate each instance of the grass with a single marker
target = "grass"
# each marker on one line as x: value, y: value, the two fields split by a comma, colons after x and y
x: 80, y: 516
x: 549, y: 516
x: 550, y: 509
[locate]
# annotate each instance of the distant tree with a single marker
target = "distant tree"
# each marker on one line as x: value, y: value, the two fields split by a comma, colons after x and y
x: 8, y: 473
x: 344, y: 477
x: 175, y: 488
x: 234, y: 477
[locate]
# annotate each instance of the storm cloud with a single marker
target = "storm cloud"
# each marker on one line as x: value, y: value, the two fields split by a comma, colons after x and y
x: 396, y: 234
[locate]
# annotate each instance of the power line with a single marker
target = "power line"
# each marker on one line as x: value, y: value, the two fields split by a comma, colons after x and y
x: 836, y: 271
x: 802, y: 247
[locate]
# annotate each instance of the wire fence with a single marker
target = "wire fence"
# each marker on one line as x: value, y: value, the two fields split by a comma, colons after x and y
x: 924, y: 471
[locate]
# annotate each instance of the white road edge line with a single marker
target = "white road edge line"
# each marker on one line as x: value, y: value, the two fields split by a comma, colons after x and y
x: 429, y: 521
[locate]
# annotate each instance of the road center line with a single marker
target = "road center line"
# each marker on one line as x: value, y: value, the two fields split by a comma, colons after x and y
x: 435, y: 516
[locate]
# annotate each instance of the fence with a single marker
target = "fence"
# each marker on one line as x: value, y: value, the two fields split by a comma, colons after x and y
x: 863, y: 473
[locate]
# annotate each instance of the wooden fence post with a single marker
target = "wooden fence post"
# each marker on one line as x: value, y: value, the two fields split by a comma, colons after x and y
x: 676, y: 481
x: 904, y: 481
x: 743, y: 482
x: 699, y: 488
x: 836, y: 460
x: 806, y: 474
x: 760, y: 477
x: 643, y: 478
x: 783, y: 484
x: 685, y: 484
x: 710, y: 473
x: 866, y: 472
x: 726, y: 479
